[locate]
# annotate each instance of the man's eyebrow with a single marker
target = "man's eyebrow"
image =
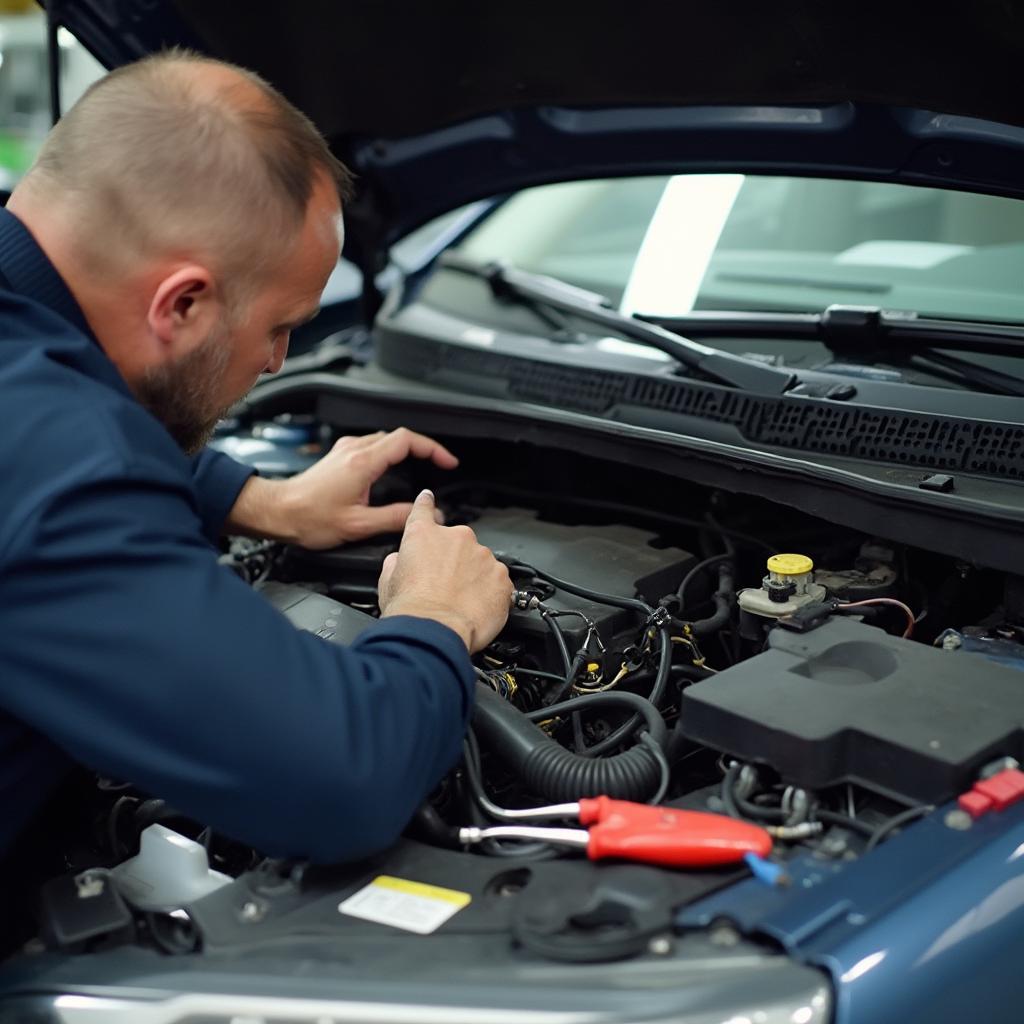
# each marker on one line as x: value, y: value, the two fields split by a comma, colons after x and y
x: 302, y: 318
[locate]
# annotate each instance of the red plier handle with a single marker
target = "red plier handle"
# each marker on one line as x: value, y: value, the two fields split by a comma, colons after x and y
x: 666, y: 836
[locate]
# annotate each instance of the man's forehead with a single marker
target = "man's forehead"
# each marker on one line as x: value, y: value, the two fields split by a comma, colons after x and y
x: 332, y: 229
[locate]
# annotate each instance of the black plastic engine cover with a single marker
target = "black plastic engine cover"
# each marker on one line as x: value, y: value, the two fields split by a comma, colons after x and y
x: 316, y: 613
x: 849, y: 703
x: 613, y: 559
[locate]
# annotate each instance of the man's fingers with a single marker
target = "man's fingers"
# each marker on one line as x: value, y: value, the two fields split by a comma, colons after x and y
x: 423, y: 508
x: 387, y: 569
x: 397, y: 446
x: 351, y: 443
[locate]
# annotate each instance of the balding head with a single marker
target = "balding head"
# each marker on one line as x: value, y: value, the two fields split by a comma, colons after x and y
x: 195, y: 216
x: 179, y: 154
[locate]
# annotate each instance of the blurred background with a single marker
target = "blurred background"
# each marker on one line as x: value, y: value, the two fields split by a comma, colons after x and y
x: 24, y: 83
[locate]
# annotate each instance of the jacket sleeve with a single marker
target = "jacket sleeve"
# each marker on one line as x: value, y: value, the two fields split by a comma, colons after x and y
x: 146, y: 661
x: 217, y: 479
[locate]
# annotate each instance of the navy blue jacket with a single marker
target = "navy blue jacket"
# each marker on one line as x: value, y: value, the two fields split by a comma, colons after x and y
x: 126, y: 648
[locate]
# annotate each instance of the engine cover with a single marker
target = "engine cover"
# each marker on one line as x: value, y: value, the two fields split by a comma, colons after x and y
x: 315, y: 613
x: 849, y: 703
x: 615, y: 559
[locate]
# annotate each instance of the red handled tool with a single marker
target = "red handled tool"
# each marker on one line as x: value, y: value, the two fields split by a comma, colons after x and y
x: 638, y: 832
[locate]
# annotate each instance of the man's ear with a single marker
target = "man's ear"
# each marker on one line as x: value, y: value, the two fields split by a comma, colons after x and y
x: 184, y: 310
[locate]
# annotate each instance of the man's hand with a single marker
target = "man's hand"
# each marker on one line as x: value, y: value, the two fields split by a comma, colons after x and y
x: 443, y: 573
x: 328, y: 504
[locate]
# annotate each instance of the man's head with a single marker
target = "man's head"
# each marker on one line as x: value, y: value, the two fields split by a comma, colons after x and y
x: 195, y: 215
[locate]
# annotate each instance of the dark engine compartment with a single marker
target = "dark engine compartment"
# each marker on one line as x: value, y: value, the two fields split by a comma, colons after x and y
x: 639, y: 664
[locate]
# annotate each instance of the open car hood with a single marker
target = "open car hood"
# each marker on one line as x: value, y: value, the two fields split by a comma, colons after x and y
x: 433, y: 105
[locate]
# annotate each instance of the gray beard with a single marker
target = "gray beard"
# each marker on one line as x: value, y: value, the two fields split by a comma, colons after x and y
x: 186, y: 396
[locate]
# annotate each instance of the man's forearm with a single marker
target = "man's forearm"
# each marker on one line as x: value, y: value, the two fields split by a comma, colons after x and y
x: 263, y: 509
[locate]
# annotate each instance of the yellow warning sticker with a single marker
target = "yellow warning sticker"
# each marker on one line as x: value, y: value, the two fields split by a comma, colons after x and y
x: 402, y: 903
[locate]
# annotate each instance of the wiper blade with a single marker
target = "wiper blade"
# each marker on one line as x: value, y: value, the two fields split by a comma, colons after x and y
x: 855, y: 330
x: 535, y: 289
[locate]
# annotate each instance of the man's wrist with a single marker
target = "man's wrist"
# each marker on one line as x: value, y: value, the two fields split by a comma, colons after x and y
x: 458, y: 624
x: 264, y: 509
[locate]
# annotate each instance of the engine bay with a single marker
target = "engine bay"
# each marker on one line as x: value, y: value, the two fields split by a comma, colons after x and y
x: 669, y: 646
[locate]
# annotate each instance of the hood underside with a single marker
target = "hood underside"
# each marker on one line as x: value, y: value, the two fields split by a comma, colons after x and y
x: 437, y: 104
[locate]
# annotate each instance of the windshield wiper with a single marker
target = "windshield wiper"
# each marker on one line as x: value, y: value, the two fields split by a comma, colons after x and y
x: 535, y: 290
x: 854, y: 330
x: 867, y: 335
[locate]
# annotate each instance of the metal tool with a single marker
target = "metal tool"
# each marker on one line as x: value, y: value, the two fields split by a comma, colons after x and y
x: 637, y: 832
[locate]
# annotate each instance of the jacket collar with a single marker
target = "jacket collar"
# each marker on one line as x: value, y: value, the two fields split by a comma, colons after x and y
x: 25, y: 269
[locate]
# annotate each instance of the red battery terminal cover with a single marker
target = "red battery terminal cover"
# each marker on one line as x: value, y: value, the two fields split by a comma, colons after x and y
x: 994, y: 794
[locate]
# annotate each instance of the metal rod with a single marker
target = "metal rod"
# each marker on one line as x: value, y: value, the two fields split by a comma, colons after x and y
x: 536, y: 813
x: 578, y: 837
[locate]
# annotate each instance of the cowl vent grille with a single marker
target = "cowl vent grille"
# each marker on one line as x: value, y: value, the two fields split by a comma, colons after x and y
x: 912, y: 440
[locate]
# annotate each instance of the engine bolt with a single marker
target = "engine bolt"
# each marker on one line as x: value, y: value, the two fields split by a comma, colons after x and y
x: 959, y: 820
x: 251, y: 912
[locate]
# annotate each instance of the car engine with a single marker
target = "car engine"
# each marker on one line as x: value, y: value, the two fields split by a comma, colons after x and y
x: 684, y: 649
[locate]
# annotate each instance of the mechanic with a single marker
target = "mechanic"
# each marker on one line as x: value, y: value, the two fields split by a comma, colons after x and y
x: 178, y: 223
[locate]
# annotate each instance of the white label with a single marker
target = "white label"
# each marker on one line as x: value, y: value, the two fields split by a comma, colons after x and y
x: 413, y: 906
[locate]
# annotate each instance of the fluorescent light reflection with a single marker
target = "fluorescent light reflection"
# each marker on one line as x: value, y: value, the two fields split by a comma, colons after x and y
x: 861, y: 967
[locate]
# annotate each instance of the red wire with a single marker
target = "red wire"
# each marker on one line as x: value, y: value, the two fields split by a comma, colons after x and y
x: 887, y: 600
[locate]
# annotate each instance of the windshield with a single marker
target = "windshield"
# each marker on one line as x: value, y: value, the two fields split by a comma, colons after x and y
x: 666, y: 246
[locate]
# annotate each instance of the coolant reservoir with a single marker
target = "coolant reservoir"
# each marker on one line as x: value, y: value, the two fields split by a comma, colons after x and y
x: 788, y: 585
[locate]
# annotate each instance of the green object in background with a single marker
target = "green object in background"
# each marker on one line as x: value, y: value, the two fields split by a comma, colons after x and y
x: 15, y: 154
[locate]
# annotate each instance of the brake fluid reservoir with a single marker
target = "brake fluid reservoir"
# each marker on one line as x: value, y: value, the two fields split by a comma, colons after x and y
x: 788, y: 585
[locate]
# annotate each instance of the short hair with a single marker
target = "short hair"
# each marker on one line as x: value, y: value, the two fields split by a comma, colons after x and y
x: 155, y: 157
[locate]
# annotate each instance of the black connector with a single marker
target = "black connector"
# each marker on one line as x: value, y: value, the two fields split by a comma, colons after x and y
x: 809, y: 616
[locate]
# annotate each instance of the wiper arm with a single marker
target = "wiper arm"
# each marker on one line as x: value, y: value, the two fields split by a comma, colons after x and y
x: 952, y: 368
x: 867, y: 334
x: 856, y: 330
x: 534, y: 289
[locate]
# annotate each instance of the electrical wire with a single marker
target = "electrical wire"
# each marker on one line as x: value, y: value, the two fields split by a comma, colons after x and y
x: 563, y: 650
x: 631, y: 604
x: 897, y: 822
x: 737, y: 807
x: 727, y: 543
x: 871, y: 601
x: 843, y: 821
x: 646, y: 711
x: 695, y: 572
x: 537, y: 672
x: 113, y: 823
x: 617, y: 736
x: 533, y: 851
x: 698, y: 658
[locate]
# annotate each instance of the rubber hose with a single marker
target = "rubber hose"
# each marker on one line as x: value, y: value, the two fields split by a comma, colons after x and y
x: 723, y: 598
x: 551, y: 771
x: 631, y: 604
x: 619, y: 736
x: 429, y: 827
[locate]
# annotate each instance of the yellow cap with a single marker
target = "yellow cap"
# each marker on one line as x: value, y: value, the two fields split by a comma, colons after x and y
x: 790, y: 565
